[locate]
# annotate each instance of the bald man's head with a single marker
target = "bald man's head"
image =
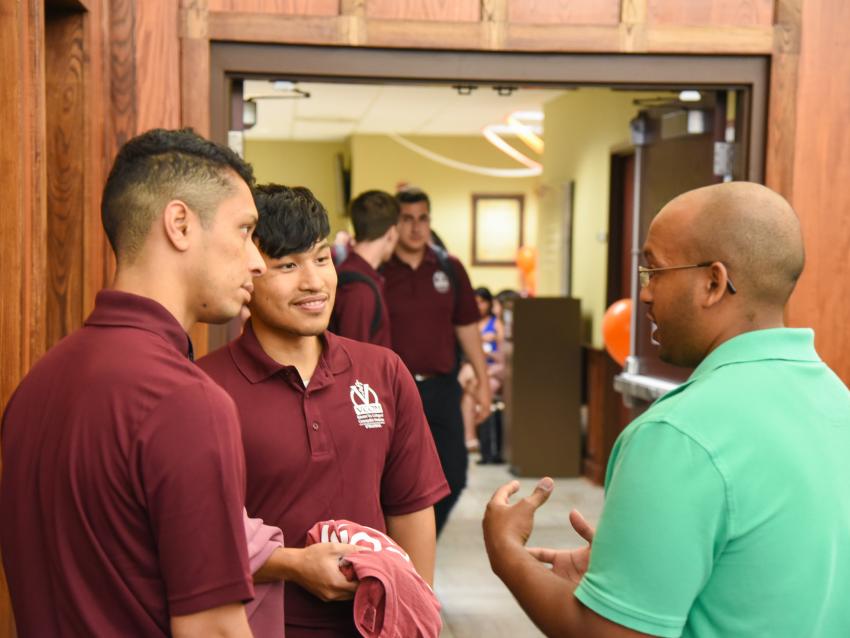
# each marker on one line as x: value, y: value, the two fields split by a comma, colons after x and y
x: 748, y: 227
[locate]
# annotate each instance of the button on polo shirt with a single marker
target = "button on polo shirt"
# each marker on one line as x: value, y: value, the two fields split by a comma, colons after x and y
x: 353, y: 444
x: 354, y: 308
x: 727, y: 507
x: 123, y: 481
x: 423, y: 311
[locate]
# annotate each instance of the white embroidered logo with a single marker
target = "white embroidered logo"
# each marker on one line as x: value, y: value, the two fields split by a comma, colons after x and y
x: 376, y: 540
x: 441, y: 281
x: 367, y: 407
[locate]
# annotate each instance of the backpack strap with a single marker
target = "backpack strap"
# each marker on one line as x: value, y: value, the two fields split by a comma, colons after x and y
x: 347, y: 277
x: 445, y: 264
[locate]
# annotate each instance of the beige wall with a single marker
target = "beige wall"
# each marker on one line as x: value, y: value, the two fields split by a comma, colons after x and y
x: 310, y: 164
x: 581, y: 129
x: 380, y: 162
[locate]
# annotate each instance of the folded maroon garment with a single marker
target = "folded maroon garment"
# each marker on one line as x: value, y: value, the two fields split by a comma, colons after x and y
x: 392, y: 600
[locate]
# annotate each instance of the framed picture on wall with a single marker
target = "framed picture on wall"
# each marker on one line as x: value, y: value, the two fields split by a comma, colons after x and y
x: 497, y: 228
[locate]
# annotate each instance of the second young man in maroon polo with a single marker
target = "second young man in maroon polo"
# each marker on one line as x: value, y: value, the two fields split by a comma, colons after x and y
x: 332, y: 428
x: 360, y: 311
x: 432, y: 312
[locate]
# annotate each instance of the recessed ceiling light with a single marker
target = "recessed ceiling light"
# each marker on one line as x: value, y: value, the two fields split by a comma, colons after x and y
x: 689, y: 96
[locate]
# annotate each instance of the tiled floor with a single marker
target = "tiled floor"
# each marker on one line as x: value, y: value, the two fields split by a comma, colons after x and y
x: 475, y: 603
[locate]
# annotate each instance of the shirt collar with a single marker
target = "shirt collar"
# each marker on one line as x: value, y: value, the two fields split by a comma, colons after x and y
x: 429, y: 257
x: 115, y: 308
x: 256, y: 366
x: 361, y: 265
x: 784, y: 344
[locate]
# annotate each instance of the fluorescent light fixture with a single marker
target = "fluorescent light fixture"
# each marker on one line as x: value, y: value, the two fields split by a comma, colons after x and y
x: 689, y: 96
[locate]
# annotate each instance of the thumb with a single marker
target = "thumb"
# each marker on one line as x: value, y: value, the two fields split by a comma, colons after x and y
x: 581, y: 526
x: 542, y: 492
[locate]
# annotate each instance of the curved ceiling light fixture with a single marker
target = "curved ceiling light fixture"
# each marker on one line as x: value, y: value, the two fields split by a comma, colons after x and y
x: 463, y: 166
x: 516, y: 126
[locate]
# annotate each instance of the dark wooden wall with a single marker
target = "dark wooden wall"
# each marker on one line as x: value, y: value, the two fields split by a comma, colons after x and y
x: 82, y: 76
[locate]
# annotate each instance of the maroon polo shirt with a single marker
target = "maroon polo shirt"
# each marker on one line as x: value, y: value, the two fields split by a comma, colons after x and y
x: 423, y: 312
x: 354, y: 308
x: 353, y: 445
x: 123, y: 481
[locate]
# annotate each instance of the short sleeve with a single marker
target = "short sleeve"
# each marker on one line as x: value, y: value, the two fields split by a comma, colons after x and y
x: 354, y: 311
x: 663, y: 524
x: 413, y: 478
x: 191, y: 471
x: 465, y: 309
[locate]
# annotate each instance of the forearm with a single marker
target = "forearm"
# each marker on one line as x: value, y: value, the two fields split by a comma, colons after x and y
x: 547, y: 599
x: 416, y: 533
x: 470, y: 342
x: 283, y: 564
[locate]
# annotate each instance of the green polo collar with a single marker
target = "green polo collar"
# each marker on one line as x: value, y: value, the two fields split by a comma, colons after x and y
x: 786, y: 344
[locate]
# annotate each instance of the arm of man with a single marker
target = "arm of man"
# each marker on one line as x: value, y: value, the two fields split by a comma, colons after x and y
x: 470, y: 342
x: 227, y: 621
x: 546, y: 595
x: 417, y: 534
x: 315, y: 568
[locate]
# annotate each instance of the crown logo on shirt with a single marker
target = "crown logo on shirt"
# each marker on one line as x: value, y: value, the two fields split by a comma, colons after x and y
x: 367, y: 406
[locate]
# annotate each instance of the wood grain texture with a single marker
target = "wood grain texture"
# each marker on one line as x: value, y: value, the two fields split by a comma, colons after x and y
x: 743, y: 13
x: 283, y: 7
x: 821, y: 180
x: 439, y: 10
x: 782, y: 114
x: 599, y: 12
x: 122, y: 73
x: 157, y: 62
x: 22, y: 201
x: 65, y: 173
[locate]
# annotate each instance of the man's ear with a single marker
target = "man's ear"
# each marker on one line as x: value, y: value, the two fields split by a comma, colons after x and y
x: 177, y: 222
x: 716, y: 284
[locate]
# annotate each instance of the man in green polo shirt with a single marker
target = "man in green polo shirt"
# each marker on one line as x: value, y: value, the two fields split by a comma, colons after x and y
x: 727, y: 510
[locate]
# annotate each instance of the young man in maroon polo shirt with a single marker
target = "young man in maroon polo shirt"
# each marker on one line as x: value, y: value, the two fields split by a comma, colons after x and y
x: 123, y: 474
x: 360, y: 311
x: 432, y: 311
x: 332, y: 428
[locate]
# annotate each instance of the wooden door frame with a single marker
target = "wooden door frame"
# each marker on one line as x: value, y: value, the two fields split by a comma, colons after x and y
x: 209, y: 66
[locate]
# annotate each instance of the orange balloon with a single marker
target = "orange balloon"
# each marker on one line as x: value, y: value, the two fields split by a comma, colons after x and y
x: 526, y: 259
x: 617, y: 328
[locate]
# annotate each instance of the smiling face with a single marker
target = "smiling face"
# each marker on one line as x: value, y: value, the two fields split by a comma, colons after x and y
x: 296, y: 294
x: 226, y: 260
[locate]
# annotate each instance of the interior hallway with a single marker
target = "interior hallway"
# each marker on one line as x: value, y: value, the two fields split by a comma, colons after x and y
x: 475, y: 602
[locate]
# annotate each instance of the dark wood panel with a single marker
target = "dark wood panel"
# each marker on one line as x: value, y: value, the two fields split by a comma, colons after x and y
x: 607, y: 416
x: 65, y: 178
x: 157, y: 65
x: 285, y: 7
x: 606, y: 12
x: 743, y: 13
x: 821, y: 189
x: 441, y: 10
x: 122, y: 73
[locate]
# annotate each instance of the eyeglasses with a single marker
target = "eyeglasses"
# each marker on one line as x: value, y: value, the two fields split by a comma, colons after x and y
x: 645, y: 274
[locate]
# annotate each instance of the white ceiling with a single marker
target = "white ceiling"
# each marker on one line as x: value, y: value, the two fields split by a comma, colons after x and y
x: 335, y: 111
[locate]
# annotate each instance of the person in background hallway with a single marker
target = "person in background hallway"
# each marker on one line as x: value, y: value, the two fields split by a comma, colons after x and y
x: 432, y: 310
x: 332, y: 428
x: 492, y: 334
x: 727, y: 511
x: 341, y: 246
x: 360, y: 311
x: 121, y: 507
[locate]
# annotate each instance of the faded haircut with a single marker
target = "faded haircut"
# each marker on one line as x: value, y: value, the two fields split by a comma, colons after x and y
x: 157, y: 167
x: 291, y: 220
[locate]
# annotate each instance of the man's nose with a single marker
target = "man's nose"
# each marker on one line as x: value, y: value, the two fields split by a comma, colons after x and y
x: 255, y: 260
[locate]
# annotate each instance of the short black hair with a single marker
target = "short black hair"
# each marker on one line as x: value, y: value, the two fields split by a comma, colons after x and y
x: 373, y: 213
x: 156, y: 167
x: 291, y: 220
x: 412, y: 195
